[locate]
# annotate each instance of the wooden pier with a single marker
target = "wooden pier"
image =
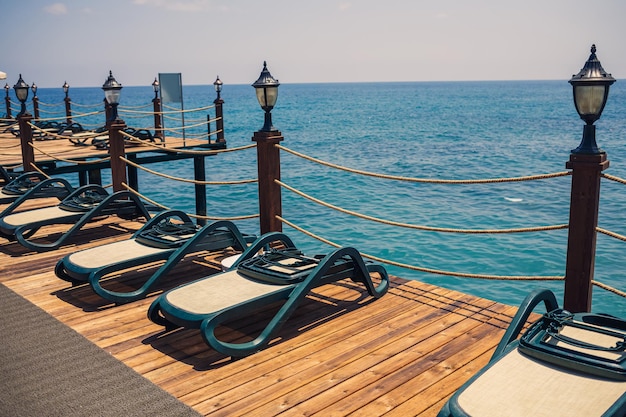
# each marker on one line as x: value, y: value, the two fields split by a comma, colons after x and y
x: 341, y: 353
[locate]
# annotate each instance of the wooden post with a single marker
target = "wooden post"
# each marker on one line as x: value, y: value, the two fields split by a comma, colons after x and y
x: 219, y: 122
x: 7, y: 102
x: 199, y: 168
x: 36, y: 107
x: 158, y: 124
x: 107, y: 112
x: 268, y: 160
x: 116, y: 150
x: 68, y: 110
x: 583, y: 220
x: 26, y: 140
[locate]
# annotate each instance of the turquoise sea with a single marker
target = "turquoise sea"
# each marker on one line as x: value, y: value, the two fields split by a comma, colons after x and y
x: 435, y: 130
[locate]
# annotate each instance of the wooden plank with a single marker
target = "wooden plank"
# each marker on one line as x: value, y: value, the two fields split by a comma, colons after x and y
x: 340, y: 353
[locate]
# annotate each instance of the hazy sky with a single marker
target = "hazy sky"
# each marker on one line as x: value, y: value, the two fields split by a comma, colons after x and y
x: 307, y: 41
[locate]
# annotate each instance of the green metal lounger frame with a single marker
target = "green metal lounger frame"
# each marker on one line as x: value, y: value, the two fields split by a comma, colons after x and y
x: 290, y: 282
x: 546, y: 372
x: 32, y: 185
x: 7, y: 176
x: 155, y: 244
x: 83, y: 205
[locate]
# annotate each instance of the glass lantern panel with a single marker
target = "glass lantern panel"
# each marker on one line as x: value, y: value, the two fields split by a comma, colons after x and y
x: 113, y: 96
x: 21, y: 93
x: 589, y: 99
x: 271, y: 95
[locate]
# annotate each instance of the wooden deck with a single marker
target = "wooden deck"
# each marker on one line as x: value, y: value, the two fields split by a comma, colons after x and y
x: 47, y: 151
x: 340, y: 354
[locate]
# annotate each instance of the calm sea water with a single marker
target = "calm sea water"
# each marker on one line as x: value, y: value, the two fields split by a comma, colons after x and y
x: 438, y: 130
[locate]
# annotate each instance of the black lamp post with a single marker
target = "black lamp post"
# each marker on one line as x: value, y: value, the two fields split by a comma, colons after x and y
x: 68, y: 105
x: 112, y: 92
x: 155, y: 87
x: 266, y: 93
x: 591, y: 90
x: 7, y: 99
x: 35, y: 100
x: 218, y: 87
x: 21, y: 91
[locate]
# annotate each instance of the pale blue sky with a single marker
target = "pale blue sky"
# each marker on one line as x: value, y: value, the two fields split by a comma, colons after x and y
x: 308, y: 41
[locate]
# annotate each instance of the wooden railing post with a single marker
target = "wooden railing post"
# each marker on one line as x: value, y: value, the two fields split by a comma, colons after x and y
x: 36, y: 107
x: 219, y: 122
x: 583, y: 221
x: 158, y: 123
x: 117, y: 150
x: 26, y: 141
x: 7, y: 102
x: 68, y: 110
x: 268, y: 160
x: 199, y: 169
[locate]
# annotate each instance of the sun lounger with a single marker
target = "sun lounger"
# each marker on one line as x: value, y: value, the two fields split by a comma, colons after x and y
x: 564, y: 365
x: 257, y: 280
x: 169, y: 236
x: 32, y: 185
x: 83, y: 205
x: 6, y: 176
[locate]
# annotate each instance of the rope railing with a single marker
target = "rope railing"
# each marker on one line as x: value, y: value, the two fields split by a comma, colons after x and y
x: 129, y: 108
x: 424, y: 180
x: 440, y: 229
x: 75, y: 104
x: 43, y: 103
x: 608, y: 288
x: 419, y: 227
x: 613, y: 178
x: 175, y: 110
x: 72, y: 161
x: 195, y: 216
x: 187, y: 151
x: 187, y: 180
x: 427, y: 270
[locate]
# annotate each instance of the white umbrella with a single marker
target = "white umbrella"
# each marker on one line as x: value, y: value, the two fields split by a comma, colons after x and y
x: 3, y: 75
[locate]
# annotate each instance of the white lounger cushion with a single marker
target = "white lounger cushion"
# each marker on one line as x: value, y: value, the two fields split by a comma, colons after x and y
x: 29, y: 216
x: 519, y: 386
x: 217, y: 292
x: 112, y: 253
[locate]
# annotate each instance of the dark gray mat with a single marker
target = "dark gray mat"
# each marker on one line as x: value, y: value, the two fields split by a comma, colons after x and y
x: 47, y: 369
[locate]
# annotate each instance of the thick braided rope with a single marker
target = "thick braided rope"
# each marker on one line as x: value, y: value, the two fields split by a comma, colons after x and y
x: 428, y: 270
x: 614, y: 178
x: 73, y: 161
x: 195, y: 216
x: 609, y: 288
x: 36, y: 168
x: 424, y: 180
x: 612, y: 234
x: 75, y: 104
x: 43, y: 103
x: 175, y: 110
x: 140, y: 106
x: 160, y: 174
x: 419, y: 227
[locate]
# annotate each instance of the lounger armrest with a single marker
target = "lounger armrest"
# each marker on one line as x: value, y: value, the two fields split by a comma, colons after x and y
x: 531, y: 301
